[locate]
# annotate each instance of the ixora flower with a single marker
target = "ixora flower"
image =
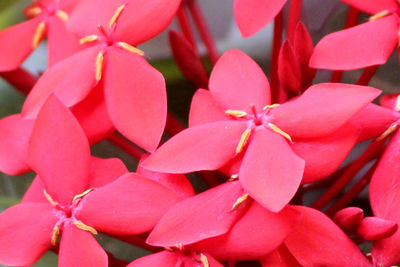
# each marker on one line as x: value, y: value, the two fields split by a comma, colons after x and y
x: 240, y: 122
x: 47, y: 17
x: 253, y: 15
x: 70, y: 206
x: 368, y: 44
x: 134, y: 91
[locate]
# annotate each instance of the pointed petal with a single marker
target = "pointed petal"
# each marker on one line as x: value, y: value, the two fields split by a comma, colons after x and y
x: 251, y: 16
x: 389, y: 101
x: 268, y: 231
x: 374, y: 228
x: 319, y: 241
x: 16, y: 44
x: 35, y: 192
x: 280, y: 257
x: 164, y: 258
x: 75, y: 247
x: 204, y: 109
x: 349, y: 217
x: 178, y: 183
x: 325, y: 154
x: 322, y: 109
x: 70, y: 80
x: 204, y: 147
x: 14, y: 137
x: 25, y: 233
x: 136, y: 98
x: 105, y: 171
x: 289, y: 69
x: 271, y: 172
x: 372, y: 6
x: 361, y: 46
x: 132, y: 198
x: 304, y: 47
x: 205, y: 215
x: 237, y: 82
x: 59, y: 152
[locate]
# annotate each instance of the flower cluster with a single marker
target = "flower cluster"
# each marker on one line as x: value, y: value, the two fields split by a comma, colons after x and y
x: 265, y: 147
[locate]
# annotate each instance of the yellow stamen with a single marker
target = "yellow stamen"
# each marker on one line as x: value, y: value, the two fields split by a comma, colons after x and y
x: 49, y: 198
x: 279, y: 131
x: 243, y: 140
x: 83, y: 194
x: 33, y: 12
x: 99, y: 66
x: 204, y: 260
x: 236, y: 113
x: 233, y: 177
x: 240, y: 201
x: 85, y: 227
x: 62, y: 15
x: 389, y: 131
x: 379, y: 15
x: 397, y: 107
x: 116, y: 15
x: 55, y: 235
x: 88, y: 39
x: 39, y: 33
x: 131, y: 49
x: 271, y: 106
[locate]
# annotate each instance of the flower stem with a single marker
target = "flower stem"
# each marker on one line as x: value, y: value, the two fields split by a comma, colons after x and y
x: 276, y: 44
x: 293, y: 18
x: 184, y: 24
x: 21, y: 79
x: 126, y: 146
x: 367, y: 75
x: 173, y: 125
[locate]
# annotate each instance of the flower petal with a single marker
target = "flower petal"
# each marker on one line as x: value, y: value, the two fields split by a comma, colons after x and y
x: 253, y: 15
x: 361, y: 46
x: 389, y: 101
x: 116, y: 207
x: 70, y: 80
x: 136, y: 98
x: 105, y: 171
x: 164, y: 258
x: 237, y: 82
x: 59, y: 152
x: 372, y: 6
x: 80, y: 248
x: 322, y: 109
x: 35, y: 192
x: 25, y: 233
x: 271, y: 172
x: 281, y: 257
x: 205, y: 215
x: 204, y: 147
x: 349, y: 217
x: 14, y: 136
x: 374, y: 228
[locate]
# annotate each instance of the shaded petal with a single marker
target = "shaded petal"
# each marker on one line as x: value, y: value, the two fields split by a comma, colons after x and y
x: 205, y: 215
x: 14, y: 136
x: 271, y: 172
x: 16, y: 43
x: 268, y: 231
x: 289, y: 71
x: 204, y: 147
x: 281, y: 257
x: 389, y: 101
x: 319, y: 241
x: 130, y: 205
x: 35, y: 192
x: 136, y: 98
x: 204, y: 108
x: 80, y: 248
x: 25, y: 233
x: 164, y: 258
x: 70, y: 80
x: 237, y: 82
x: 322, y: 109
x: 325, y: 154
x: 59, y: 152
x: 349, y: 217
x: 373, y: 6
x: 253, y: 15
x: 105, y: 171
x: 361, y: 46
x: 374, y: 228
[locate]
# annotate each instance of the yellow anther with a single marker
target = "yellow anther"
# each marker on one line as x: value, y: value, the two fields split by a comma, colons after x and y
x: 34, y: 11
x: 99, y: 66
x: 233, y: 177
x: 131, y: 49
x: 116, y: 15
x: 236, y: 113
x: 388, y: 131
x: 49, y: 198
x: 39, y: 34
x: 379, y: 15
x: 240, y: 201
x: 88, y: 39
x: 62, y: 15
x: 397, y: 107
x: 85, y: 227
x: 204, y: 260
x: 83, y: 194
x: 279, y: 131
x: 243, y: 140
x: 271, y: 106
x: 55, y: 235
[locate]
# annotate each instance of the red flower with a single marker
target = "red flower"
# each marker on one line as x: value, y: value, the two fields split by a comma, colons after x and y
x: 241, y: 122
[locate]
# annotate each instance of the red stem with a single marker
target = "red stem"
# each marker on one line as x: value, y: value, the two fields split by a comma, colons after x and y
x: 373, y: 149
x: 367, y: 75
x: 126, y: 145
x: 21, y: 79
x: 184, y: 24
x: 293, y: 18
x: 276, y: 44
x: 173, y: 126
x: 203, y: 30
